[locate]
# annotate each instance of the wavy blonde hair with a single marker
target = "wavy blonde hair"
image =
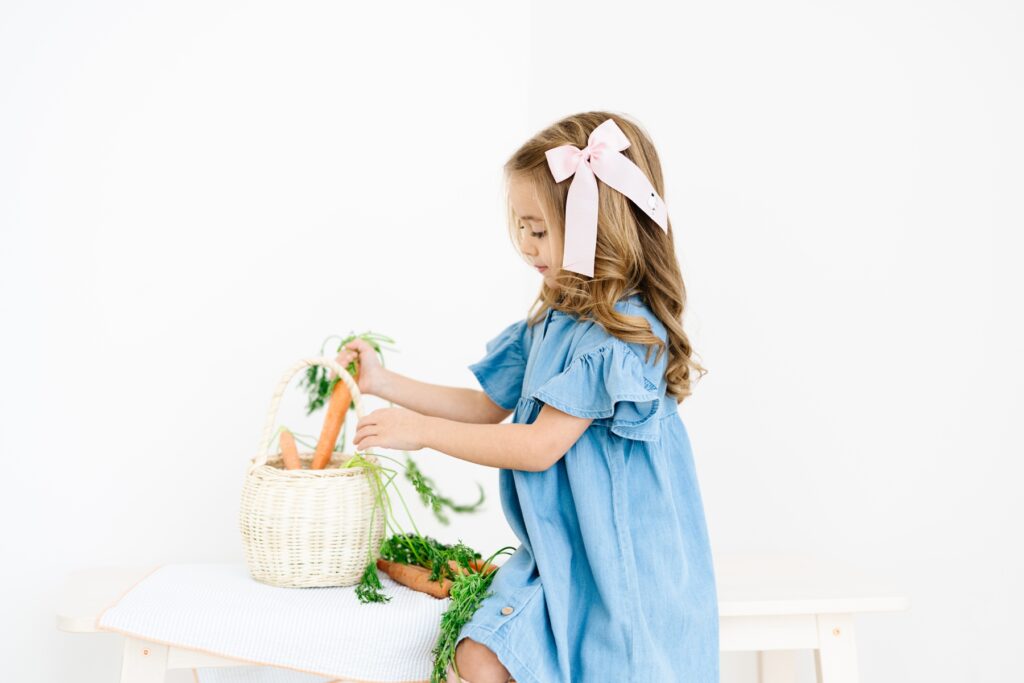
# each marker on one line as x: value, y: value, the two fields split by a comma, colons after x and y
x: 633, y: 255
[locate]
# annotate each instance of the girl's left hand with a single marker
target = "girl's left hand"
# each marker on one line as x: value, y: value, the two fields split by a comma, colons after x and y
x: 397, y: 428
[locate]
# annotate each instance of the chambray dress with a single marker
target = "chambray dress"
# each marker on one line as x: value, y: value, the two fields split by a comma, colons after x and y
x: 613, y: 580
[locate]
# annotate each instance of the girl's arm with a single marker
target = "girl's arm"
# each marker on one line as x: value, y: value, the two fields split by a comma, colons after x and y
x: 449, y: 403
x: 452, y: 403
x: 532, y: 447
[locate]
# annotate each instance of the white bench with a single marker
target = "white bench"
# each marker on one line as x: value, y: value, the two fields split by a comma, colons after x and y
x: 772, y: 605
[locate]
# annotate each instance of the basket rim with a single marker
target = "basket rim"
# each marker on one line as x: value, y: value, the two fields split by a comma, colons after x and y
x: 267, y: 467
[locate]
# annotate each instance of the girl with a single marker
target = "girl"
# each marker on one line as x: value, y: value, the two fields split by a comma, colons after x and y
x: 613, y: 580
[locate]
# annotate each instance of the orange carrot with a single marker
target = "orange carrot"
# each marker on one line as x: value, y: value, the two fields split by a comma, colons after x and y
x: 289, y: 453
x: 337, y: 406
x: 474, y: 565
x: 415, y: 577
x: 481, y: 567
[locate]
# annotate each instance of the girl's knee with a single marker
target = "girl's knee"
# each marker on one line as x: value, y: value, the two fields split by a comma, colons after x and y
x: 478, y: 664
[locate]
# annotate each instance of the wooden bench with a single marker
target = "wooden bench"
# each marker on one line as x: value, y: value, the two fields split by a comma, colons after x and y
x: 769, y: 604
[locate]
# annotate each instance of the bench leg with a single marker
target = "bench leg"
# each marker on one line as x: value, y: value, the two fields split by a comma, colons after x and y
x: 835, y: 660
x: 776, y: 666
x: 143, y: 662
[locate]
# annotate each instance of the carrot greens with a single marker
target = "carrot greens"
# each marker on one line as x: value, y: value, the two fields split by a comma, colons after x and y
x: 319, y: 387
x: 470, y: 586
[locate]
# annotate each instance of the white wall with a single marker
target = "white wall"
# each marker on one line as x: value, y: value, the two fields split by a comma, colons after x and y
x: 196, y: 194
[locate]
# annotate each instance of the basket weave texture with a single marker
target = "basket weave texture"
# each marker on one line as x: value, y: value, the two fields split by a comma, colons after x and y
x: 309, y: 528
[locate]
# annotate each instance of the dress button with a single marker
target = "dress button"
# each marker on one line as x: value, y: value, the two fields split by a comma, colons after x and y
x: 652, y: 202
x: 506, y: 611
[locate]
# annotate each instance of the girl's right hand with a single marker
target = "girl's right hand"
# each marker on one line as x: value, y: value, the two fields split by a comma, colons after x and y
x: 370, y: 369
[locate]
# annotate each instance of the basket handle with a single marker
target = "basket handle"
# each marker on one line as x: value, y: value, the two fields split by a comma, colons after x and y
x: 268, y: 427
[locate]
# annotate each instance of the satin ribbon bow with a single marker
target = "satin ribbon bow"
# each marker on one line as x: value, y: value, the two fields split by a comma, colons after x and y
x: 601, y: 157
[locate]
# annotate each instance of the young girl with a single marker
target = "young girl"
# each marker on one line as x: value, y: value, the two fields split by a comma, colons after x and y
x: 613, y: 580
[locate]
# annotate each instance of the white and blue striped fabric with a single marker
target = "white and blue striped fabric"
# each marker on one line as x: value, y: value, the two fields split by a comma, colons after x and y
x: 290, y: 635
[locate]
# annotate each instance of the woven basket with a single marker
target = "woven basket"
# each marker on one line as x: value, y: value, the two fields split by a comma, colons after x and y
x: 308, y: 528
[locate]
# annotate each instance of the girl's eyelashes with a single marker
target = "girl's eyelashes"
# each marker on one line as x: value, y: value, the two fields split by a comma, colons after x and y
x: 538, y: 235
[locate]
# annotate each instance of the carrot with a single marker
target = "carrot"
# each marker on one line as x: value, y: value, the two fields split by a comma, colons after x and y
x: 415, y: 577
x: 418, y: 578
x: 482, y: 568
x: 338, y: 405
x: 289, y: 453
x: 474, y: 565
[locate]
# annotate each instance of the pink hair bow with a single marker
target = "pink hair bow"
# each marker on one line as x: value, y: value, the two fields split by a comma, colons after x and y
x: 602, y: 158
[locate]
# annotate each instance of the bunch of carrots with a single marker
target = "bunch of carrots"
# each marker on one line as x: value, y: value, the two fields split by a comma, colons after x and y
x: 324, y: 385
x: 444, y: 571
x: 424, y: 564
x: 337, y: 408
x: 419, y: 562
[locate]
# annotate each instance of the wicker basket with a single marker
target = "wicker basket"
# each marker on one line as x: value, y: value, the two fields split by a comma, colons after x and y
x: 306, y: 528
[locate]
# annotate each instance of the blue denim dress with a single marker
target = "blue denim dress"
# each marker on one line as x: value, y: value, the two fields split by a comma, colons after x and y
x: 613, y: 580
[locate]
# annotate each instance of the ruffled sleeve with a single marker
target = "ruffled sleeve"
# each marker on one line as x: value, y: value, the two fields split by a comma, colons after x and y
x: 500, y: 372
x: 607, y: 382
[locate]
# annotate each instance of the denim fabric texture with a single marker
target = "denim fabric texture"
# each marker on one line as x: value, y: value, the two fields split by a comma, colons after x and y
x: 613, y: 579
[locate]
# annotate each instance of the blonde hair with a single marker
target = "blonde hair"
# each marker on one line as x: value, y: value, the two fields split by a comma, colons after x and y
x: 633, y: 254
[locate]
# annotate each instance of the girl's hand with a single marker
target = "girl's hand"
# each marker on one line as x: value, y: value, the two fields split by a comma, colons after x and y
x: 370, y: 369
x: 397, y: 428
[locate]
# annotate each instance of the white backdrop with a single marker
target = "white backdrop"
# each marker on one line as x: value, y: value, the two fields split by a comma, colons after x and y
x: 196, y: 194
